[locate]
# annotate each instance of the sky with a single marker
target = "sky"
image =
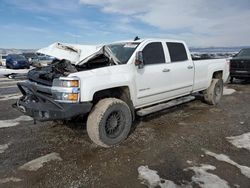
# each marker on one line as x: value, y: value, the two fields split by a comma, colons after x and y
x: 201, y: 23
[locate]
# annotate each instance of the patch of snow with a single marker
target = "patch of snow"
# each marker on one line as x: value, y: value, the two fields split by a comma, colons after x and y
x: 151, y: 179
x: 35, y: 164
x: 11, y: 179
x: 205, y: 179
x: 8, y: 86
x: 10, y: 96
x: 228, y: 91
x: 221, y: 157
x: 5, y: 71
x: 14, y: 122
x: 4, y: 147
x: 9, y: 81
x: 241, y: 141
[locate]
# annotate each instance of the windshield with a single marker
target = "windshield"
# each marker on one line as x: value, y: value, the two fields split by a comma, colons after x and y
x: 123, y: 51
x: 244, y: 53
x: 18, y: 57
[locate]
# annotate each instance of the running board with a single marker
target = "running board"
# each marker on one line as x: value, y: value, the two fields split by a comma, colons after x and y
x: 162, y: 106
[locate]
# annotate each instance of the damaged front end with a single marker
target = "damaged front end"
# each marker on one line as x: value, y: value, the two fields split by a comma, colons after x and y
x: 45, y: 103
x: 49, y: 94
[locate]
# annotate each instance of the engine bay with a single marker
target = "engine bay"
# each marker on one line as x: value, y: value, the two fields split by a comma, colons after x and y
x: 58, y: 68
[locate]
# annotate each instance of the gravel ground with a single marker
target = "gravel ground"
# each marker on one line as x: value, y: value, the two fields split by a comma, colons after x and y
x: 168, y: 142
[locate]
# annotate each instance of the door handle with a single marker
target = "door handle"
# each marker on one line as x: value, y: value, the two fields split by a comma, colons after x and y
x: 166, y: 70
x: 190, y: 67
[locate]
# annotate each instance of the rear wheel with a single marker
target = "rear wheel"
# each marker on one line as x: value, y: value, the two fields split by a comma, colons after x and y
x: 213, y: 94
x: 109, y: 122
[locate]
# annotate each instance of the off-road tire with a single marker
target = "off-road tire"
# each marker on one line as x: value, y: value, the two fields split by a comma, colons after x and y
x: 109, y: 114
x: 213, y: 94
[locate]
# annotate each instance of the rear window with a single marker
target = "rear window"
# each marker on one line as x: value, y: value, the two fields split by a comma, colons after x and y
x: 177, y: 52
x: 244, y: 53
x: 18, y: 57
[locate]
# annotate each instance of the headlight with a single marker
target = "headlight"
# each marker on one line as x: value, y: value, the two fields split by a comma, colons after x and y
x: 66, y: 89
x: 65, y: 83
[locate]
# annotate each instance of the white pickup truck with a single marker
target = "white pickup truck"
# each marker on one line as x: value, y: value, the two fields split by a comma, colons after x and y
x: 112, y: 83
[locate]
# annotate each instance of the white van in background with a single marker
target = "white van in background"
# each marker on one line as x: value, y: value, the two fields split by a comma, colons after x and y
x: 3, y: 59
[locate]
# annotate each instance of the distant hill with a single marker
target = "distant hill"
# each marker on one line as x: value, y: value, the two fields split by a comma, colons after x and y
x: 217, y: 49
x: 15, y: 51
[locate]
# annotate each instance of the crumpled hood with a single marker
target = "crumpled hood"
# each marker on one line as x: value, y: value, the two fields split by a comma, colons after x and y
x: 74, y: 53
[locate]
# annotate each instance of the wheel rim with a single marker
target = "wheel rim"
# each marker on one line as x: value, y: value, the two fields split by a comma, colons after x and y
x: 114, y: 124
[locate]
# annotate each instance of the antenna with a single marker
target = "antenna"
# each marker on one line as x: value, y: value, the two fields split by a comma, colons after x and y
x: 136, y: 38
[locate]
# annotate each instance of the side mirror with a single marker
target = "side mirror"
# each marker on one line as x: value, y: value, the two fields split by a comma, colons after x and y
x: 139, y: 60
x: 235, y: 55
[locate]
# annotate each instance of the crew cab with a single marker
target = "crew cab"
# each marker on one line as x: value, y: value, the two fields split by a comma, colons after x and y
x: 240, y: 65
x: 112, y: 83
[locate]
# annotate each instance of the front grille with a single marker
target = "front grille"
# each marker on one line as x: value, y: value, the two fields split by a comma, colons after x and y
x: 240, y: 64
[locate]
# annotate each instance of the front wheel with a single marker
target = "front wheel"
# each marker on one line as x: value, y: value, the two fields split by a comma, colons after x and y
x: 109, y: 122
x: 213, y: 94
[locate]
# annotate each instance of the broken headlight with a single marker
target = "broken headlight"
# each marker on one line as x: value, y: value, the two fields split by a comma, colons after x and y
x: 66, y: 89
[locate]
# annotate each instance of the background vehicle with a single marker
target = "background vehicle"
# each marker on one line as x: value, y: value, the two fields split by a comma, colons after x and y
x: 3, y: 60
x: 112, y: 83
x: 31, y: 57
x: 43, y: 60
x: 17, y: 61
x: 240, y: 65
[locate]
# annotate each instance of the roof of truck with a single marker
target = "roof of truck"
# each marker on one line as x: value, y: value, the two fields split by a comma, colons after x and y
x: 148, y: 39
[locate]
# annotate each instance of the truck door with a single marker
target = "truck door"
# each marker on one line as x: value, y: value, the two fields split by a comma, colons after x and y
x: 153, y: 79
x: 181, y: 69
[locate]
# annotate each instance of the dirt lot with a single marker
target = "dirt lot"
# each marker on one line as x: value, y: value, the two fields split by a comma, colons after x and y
x: 177, y: 143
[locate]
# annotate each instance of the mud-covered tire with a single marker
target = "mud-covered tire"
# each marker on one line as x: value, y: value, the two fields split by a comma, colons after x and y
x: 213, y: 94
x: 109, y: 122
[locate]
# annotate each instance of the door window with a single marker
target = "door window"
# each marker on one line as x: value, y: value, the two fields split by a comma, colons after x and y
x: 153, y: 53
x: 177, y: 52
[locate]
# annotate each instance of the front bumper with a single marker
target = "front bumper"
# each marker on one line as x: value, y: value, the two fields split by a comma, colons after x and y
x: 20, y: 66
x: 240, y: 74
x: 44, y: 108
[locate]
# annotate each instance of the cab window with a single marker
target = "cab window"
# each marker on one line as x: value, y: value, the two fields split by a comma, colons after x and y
x: 153, y: 54
x: 177, y: 52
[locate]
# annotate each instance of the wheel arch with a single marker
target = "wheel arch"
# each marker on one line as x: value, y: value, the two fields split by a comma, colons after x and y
x: 122, y: 92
